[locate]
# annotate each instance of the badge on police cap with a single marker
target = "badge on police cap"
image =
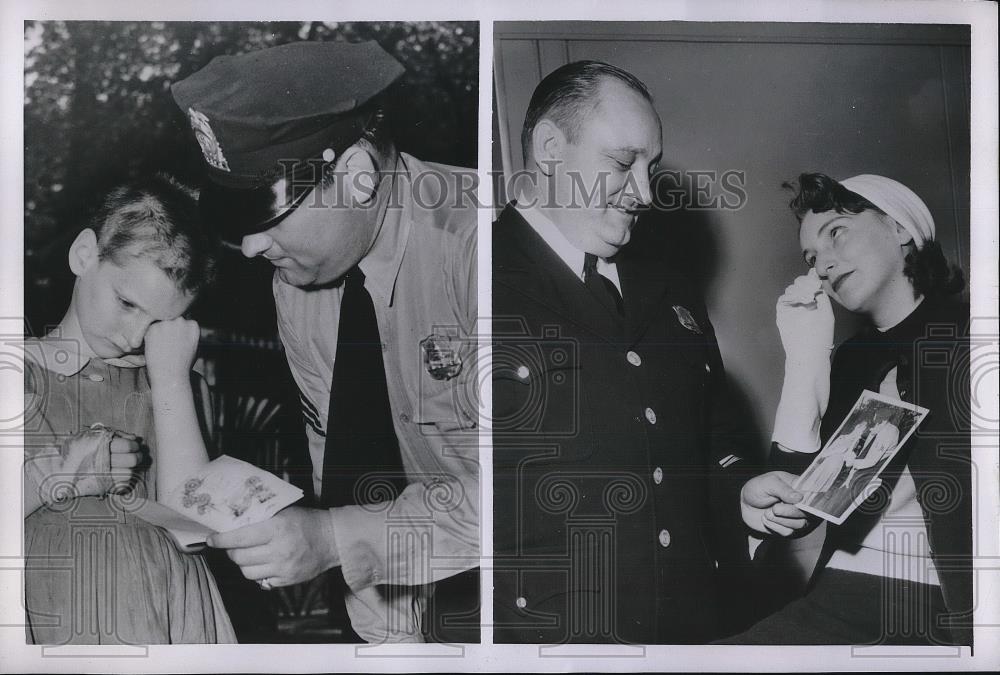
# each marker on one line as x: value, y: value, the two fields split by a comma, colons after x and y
x: 684, y: 316
x: 266, y: 118
x: 210, y: 147
x: 441, y: 359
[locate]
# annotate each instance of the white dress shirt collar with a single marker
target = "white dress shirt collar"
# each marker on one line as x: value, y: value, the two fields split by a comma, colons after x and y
x: 563, y: 247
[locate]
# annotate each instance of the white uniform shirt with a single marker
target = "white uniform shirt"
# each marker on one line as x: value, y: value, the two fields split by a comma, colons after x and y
x: 564, y: 248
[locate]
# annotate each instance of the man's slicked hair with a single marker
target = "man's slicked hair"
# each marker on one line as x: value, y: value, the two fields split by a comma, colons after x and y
x: 569, y: 94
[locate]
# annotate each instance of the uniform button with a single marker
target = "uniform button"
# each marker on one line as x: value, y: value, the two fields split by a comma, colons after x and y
x: 94, y: 377
x: 664, y: 538
x: 708, y: 368
x: 657, y: 475
x: 385, y: 346
x: 523, y: 372
x: 521, y: 603
x: 650, y: 416
x: 403, y: 417
x: 633, y: 358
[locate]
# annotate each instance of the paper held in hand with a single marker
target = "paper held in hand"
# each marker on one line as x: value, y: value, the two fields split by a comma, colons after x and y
x: 846, y: 470
x: 226, y: 494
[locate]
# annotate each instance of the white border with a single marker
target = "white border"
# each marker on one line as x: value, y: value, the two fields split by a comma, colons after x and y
x: 15, y: 656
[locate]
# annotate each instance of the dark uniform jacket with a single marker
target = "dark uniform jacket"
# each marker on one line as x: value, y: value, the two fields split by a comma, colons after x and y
x: 610, y: 458
x: 930, y: 351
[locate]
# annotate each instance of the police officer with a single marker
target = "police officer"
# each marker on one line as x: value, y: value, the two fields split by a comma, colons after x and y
x: 610, y: 460
x: 375, y: 287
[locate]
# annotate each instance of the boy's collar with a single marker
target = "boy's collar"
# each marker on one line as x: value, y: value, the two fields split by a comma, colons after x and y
x: 57, y: 356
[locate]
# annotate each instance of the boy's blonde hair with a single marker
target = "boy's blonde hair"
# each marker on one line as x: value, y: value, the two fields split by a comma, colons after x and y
x: 156, y: 217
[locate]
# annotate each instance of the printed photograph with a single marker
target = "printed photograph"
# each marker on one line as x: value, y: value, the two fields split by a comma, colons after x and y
x: 847, y: 469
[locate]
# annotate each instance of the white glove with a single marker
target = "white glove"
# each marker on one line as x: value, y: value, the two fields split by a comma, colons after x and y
x: 805, y: 323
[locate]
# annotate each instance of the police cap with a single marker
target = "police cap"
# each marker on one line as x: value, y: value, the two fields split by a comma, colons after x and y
x: 267, y: 120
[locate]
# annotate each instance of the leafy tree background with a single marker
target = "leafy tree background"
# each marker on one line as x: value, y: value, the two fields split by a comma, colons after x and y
x: 98, y: 110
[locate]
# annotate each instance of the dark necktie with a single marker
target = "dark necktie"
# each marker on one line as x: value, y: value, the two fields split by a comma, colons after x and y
x: 601, y: 286
x: 360, y: 439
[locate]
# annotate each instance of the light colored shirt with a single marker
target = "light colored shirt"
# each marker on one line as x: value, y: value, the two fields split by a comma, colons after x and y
x: 564, y: 248
x: 421, y: 274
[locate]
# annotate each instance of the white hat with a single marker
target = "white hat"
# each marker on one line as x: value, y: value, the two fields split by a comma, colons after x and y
x: 898, y: 202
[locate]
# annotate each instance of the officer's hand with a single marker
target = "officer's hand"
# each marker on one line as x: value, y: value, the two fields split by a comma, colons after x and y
x: 295, y: 545
x: 170, y: 350
x: 767, y: 504
x: 805, y: 320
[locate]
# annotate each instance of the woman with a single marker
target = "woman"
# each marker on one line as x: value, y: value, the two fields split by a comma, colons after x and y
x: 114, y: 373
x: 899, y: 569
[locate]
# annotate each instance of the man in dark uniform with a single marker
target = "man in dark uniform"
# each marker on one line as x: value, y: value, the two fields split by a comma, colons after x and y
x: 375, y: 290
x: 610, y: 463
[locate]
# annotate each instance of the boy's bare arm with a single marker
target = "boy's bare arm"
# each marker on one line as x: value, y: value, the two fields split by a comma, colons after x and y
x: 170, y: 351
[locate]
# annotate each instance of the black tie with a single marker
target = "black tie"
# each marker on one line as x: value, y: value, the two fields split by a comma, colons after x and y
x: 601, y: 286
x: 360, y: 439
